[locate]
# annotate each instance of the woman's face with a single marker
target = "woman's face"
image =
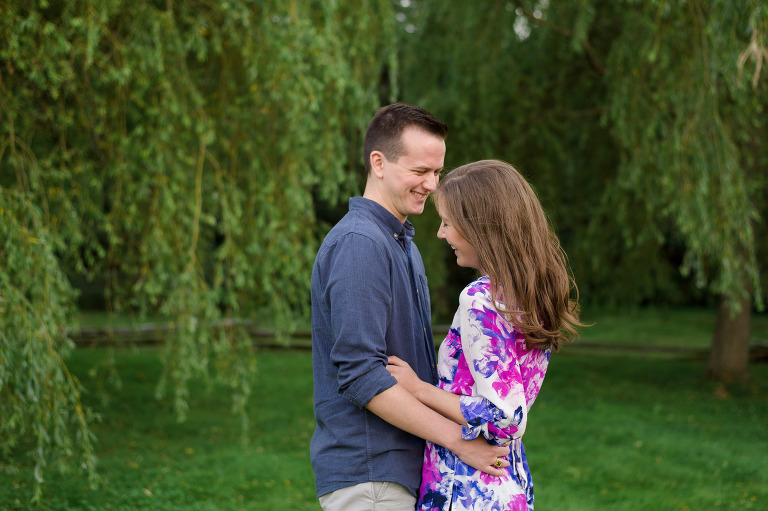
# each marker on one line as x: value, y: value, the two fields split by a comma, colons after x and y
x: 466, y: 255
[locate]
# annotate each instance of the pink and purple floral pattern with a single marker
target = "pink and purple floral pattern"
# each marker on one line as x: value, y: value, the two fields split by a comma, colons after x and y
x: 485, y: 360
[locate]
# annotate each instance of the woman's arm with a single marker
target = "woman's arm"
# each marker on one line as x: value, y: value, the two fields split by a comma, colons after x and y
x: 441, y: 401
x: 398, y: 407
x: 497, y: 409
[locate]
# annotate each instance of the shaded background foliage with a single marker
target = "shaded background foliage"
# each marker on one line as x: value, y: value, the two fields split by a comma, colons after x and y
x: 187, y: 157
x: 636, y: 122
x: 173, y: 151
x: 641, y: 124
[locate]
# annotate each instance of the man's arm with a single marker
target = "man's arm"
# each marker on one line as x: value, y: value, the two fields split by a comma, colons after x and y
x: 399, y: 408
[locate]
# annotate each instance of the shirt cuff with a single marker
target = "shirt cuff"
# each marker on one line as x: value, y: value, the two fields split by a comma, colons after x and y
x: 368, y: 386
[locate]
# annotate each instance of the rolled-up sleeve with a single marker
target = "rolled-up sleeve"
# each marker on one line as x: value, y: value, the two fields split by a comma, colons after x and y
x: 358, y: 286
x: 498, y: 409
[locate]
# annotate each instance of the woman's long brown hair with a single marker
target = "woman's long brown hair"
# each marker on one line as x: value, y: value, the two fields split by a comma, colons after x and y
x: 494, y: 208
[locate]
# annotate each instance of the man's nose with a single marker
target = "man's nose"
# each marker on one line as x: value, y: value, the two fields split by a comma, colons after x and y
x: 430, y: 183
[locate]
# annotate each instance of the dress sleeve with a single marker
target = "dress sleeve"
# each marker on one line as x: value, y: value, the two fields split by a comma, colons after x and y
x: 497, y: 409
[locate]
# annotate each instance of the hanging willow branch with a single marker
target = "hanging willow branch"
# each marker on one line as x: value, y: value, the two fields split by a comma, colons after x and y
x: 177, y: 152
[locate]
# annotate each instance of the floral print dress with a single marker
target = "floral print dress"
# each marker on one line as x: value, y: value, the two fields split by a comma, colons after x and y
x: 484, y: 359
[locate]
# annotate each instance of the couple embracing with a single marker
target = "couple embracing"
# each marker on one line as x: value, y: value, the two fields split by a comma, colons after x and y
x: 399, y: 428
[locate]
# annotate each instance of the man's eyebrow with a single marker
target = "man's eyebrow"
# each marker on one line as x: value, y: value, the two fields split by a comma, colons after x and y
x: 425, y: 168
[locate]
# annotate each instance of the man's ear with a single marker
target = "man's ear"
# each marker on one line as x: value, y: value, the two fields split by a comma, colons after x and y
x: 377, y: 163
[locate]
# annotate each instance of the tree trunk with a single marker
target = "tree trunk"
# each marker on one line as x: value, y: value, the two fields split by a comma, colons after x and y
x: 729, y: 355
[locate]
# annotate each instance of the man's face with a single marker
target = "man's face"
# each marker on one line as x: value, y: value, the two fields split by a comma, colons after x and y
x: 407, y: 182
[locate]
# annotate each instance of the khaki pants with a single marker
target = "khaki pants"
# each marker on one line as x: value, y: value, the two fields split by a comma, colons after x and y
x: 372, y: 496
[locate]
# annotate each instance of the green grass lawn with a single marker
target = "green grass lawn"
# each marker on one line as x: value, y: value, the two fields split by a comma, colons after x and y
x: 149, y: 461
x: 655, y: 326
x: 608, y: 432
x: 631, y: 433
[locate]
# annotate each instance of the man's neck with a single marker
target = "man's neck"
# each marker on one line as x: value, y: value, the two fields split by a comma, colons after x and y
x: 372, y: 193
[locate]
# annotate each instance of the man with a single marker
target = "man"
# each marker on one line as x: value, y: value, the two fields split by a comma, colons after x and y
x: 370, y: 301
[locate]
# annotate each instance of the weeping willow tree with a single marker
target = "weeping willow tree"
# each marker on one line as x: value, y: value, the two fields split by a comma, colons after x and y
x: 641, y: 124
x: 698, y: 159
x: 179, y: 149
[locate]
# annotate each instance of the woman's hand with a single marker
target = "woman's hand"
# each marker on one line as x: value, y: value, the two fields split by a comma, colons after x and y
x: 443, y: 402
x: 405, y: 375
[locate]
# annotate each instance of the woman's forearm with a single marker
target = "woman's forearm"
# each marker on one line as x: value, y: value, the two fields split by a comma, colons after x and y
x: 443, y: 402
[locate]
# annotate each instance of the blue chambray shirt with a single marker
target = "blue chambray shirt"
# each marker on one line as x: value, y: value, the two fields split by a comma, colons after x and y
x: 366, y: 307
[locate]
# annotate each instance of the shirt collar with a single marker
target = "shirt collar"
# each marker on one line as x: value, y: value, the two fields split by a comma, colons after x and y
x: 386, y: 219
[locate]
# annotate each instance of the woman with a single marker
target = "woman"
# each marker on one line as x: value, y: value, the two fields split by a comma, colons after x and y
x: 493, y: 361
